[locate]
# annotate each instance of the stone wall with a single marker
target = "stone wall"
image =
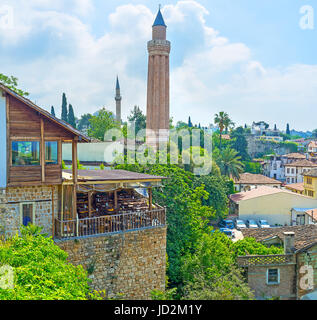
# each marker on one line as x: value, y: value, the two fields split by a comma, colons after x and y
x: 40, y: 196
x: 284, y: 290
x: 130, y: 264
x: 257, y: 148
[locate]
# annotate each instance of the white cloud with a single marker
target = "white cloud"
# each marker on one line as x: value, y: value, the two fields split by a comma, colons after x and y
x: 214, y: 74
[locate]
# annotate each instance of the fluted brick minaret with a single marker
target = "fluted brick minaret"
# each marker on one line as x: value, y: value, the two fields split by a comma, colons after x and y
x: 118, y: 99
x: 158, y: 109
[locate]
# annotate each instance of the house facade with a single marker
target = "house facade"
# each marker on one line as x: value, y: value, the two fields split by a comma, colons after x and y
x: 105, y: 219
x: 294, y: 171
x: 288, y: 276
x: 249, y: 181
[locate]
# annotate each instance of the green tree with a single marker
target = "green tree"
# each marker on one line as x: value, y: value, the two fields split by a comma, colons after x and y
x: 71, y: 116
x: 41, y: 269
x: 138, y: 118
x: 190, y: 124
x: 12, y: 83
x: 239, y: 143
x: 288, y: 132
x: 64, y: 115
x: 229, y: 163
x: 53, y: 111
x: 84, y: 121
x: 101, y: 123
x: 223, y: 121
x: 210, y: 272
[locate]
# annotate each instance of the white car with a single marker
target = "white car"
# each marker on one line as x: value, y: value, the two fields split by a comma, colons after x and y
x: 252, y: 224
x: 240, y: 224
x: 264, y: 224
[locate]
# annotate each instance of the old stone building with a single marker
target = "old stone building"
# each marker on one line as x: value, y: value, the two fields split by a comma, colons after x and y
x: 288, y: 276
x: 158, y: 87
x: 105, y: 219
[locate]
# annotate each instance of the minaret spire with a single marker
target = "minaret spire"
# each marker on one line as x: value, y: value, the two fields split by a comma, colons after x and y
x: 158, y: 112
x: 118, y: 99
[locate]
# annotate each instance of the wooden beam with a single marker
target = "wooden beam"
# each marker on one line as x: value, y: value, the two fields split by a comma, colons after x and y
x: 59, y: 152
x: 9, y: 153
x: 75, y: 177
x: 116, y: 199
x: 74, y: 162
x: 42, y: 151
x: 53, y: 213
x: 150, y: 198
x: 89, y: 203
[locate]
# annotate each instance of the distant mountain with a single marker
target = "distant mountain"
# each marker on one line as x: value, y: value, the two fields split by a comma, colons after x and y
x: 306, y: 134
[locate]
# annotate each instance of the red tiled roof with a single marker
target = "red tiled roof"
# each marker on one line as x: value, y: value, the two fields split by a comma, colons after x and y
x: 250, y: 178
x: 255, y: 193
x: 301, y: 163
x: 296, y: 186
x: 295, y: 155
x: 305, y: 236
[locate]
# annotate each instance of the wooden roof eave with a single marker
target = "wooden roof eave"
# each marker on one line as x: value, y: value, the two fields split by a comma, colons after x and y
x: 45, y: 113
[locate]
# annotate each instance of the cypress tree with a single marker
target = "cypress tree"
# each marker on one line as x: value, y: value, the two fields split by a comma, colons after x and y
x: 64, y: 109
x: 288, y: 130
x: 71, y: 116
x: 53, y: 111
x: 190, y: 125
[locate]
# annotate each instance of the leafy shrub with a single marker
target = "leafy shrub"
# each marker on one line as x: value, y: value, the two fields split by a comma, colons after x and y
x: 41, y: 269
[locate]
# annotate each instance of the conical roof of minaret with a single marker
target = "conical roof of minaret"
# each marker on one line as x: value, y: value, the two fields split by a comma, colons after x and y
x: 118, y: 85
x: 159, y: 21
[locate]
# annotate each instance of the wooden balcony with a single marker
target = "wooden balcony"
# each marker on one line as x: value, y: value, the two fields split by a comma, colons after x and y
x: 116, y: 223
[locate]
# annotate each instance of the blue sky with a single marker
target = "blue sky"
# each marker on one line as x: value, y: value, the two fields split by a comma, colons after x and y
x: 249, y: 58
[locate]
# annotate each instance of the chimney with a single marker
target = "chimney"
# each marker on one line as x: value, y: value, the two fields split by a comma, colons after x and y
x: 289, y: 240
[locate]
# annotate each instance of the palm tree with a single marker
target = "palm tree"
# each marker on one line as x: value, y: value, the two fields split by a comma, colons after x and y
x: 223, y: 121
x: 229, y: 163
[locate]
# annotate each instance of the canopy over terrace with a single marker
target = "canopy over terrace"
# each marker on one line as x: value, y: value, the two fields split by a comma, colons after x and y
x: 109, y: 195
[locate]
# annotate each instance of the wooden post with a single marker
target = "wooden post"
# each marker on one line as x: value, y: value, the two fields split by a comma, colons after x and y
x: 75, y: 177
x: 150, y: 198
x: 53, y: 213
x: 42, y: 151
x: 9, y: 144
x: 116, y: 200
x: 89, y: 203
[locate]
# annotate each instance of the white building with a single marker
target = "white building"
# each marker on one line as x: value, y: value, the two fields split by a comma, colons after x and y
x: 294, y: 171
x: 274, y: 165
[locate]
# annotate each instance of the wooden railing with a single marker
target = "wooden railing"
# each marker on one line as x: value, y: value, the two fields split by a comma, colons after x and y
x: 276, y: 259
x: 110, y: 224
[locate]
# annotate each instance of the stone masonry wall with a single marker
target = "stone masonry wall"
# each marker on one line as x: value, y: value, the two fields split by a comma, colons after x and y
x: 284, y: 290
x: 130, y: 264
x: 41, y: 196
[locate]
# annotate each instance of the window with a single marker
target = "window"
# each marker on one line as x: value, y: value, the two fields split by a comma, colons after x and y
x: 293, y: 170
x: 287, y: 170
x: 309, y: 180
x: 25, y: 153
x: 273, y: 276
x: 311, y: 193
x: 300, y: 220
x: 51, y: 152
x: 27, y: 213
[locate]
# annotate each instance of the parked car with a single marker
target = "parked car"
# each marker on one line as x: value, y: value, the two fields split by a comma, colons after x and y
x: 226, y: 224
x: 227, y: 232
x: 240, y: 224
x: 252, y: 224
x: 264, y: 224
